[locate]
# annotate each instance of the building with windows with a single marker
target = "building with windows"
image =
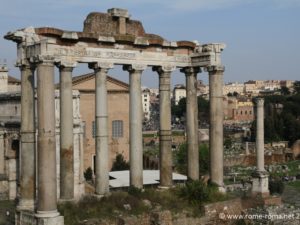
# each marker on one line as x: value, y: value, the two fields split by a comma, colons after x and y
x: 146, y: 103
x: 240, y: 110
x: 118, y: 117
x: 179, y: 92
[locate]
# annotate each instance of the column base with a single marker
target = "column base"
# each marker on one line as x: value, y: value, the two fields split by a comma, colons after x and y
x: 47, y: 214
x: 260, y: 184
x: 164, y: 187
x: 222, y: 189
x: 57, y: 220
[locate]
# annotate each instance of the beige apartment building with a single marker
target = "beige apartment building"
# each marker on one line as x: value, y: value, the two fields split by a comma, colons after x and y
x: 118, y: 116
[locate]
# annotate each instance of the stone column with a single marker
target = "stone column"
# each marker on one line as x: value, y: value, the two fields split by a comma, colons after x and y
x: 66, y: 133
x: 27, y: 150
x: 247, y: 148
x: 2, y: 153
x: 165, y: 132
x: 135, y: 125
x: 101, y: 121
x: 216, y: 115
x: 260, y: 183
x: 47, y: 193
x: 192, y: 123
x: 260, y: 160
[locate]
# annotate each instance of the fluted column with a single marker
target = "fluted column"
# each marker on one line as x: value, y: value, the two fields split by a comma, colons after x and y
x: 135, y: 125
x: 101, y: 121
x: 260, y: 134
x: 216, y: 124
x: 27, y: 150
x: 192, y: 122
x: 165, y: 132
x: 47, y: 193
x: 66, y: 132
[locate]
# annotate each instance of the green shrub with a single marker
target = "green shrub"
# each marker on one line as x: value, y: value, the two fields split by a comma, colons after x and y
x: 181, y: 159
x: 88, y: 174
x: 276, y: 186
x: 198, y: 192
x: 134, y: 191
x: 120, y: 163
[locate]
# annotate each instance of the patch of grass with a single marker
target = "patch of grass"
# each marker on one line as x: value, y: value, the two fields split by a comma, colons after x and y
x: 7, y: 206
x: 295, y: 184
x: 136, y: 202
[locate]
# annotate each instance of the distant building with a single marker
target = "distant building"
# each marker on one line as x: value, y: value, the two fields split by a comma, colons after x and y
x: 146, y: 103
x: 240, y: 110
x: 8, y: 83
x: 179, y: 92
x: 118, y: 117
x: 232, y: 88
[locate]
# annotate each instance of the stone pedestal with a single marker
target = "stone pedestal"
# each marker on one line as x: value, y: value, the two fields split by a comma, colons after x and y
x: 29, y: 218
x: 260, y: 184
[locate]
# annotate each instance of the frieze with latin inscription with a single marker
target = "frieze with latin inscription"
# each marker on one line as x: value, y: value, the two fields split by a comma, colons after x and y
x: 93, y: 53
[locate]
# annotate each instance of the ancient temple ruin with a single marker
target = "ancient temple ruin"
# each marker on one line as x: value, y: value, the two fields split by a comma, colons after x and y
x: 107, y: 39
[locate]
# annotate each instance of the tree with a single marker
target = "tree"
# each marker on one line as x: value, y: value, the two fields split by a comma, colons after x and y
x: 285, y: 91
x: 181, y: 159
x: 120, y: 163
x: 297, y: 87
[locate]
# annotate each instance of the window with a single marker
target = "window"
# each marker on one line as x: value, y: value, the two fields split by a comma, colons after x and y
x: 117, y: 128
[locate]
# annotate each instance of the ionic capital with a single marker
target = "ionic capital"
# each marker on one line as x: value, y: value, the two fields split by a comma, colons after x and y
x: 25, y: 65
x: 66, y: 65
x: 259, y: 102
x: 43, y: 59
x: 164, y: 69
x: 220, y: 68
x: 190, y: 71
x: 101, y: 65
x: 135, y: 68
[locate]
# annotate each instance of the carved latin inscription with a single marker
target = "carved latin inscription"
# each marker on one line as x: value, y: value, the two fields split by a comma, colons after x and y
x: 94, y: 53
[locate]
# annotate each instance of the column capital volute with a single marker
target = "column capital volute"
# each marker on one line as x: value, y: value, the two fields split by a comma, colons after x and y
x: 135, y: 68
x: 164, y: 69
x: 259, y: 101
x: 190, y: 71
x: 220, y: 68
x: 26, y: 65
x: 66, y: 65
x: 97, y: 66
x: 43, y: 59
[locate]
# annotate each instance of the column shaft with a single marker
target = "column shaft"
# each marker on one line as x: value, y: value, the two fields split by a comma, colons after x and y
x: 47, y: 193
x: 216, y: 124
x: 135, y: 126
x: 165, y: 132
x: 2, y: 153
x: 27, y: 150
x: 101, y: 121
x: 260, y: 134
x: 66, y: 134
x: 192, y: 125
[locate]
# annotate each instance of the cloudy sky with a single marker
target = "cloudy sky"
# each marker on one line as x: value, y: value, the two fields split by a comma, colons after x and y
x: 262, y: 36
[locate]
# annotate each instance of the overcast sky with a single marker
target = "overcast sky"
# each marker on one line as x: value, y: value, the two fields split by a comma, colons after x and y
x: 262, y: 36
